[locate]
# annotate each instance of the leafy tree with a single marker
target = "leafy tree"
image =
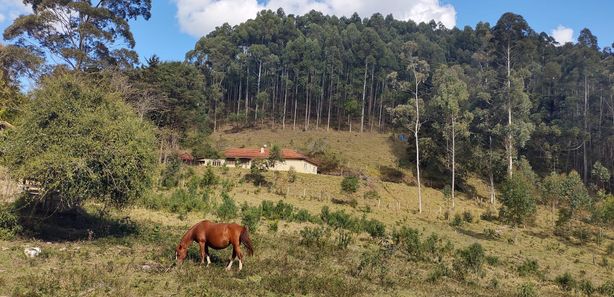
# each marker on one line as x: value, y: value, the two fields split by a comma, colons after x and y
x: 77, y: 138
x: 81, y: 34
x: 451, y: 95
x: 518, y: 205
x: 349, y: 184
x: 275, y: 155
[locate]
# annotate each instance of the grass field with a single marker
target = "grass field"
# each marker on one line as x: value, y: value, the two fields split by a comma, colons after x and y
x: 130, y: 255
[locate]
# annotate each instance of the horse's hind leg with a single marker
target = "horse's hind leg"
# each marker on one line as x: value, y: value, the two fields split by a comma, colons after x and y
x: 201, y: 244
x: 232, y: 258
x: 207, y: 255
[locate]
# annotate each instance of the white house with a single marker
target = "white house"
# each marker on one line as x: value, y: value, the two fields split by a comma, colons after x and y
x: 242, y: 157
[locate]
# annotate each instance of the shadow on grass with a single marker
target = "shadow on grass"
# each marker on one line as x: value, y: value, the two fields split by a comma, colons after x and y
x: 73, y: 224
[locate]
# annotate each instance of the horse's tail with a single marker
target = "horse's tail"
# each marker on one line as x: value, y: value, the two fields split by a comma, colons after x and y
x: 244, y: 239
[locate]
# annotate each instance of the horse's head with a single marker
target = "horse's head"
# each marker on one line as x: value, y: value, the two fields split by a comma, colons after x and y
x: 181, y: 253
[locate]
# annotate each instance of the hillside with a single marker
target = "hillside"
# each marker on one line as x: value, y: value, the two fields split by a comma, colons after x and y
x: 132, y: 256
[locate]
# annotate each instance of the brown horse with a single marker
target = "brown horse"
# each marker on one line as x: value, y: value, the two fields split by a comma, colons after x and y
x: 217, y: 236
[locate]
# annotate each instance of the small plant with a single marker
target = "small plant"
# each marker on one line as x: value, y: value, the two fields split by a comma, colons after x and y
x: 409, y: 239
x: 9, y: 223
x: 273, y: 226
x: 291, y: 175
x: 607, y: 288
x: 472, y: 257
x: 374, y: 227
x: 313, y: 237
x: 467, y: 216
x: 528, y: 267
x: 457, y: 221
x: 209, y: 178
x: 228, y: 209
x: 251, y: 218
x: 344, y: 239
x: 371, y: 195
x: 492, y: 260
x: 610, y: 249
x: 303, y: 216
x: 438, y: 272
x: 489, y: 215
x: 526, y: 290
x: 349, y: 184
x: 491, y: 234
x: 436, y: 247
x: 587, y: 287
x: 582, y: 234
x: 565, y: 281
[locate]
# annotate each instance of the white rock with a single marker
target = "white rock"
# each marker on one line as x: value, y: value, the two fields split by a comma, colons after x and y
x: 32, y: 251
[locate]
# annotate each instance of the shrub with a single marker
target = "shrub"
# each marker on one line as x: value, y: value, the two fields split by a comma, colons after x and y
x: 528, y: 267
x: 170, y: 174
x: 344, y: 239
x: 409, y: 239
x: 303, y: 216
x: 492, y: 260
x: 349, y: 184
x: 338, y: 219
x: 273, y: 226
x: 518, y: 205
x: 607, y: 288
x: 315, y: 236
x: 491, y: 234
x: 279, y: 211
x: 389, y: 174
x: 583, y: 234
x: 251, y: 218
x: 374, y: 227
x: 468, y: 216
x: 371, y: 195
x: 489, y: 215
x: 435, y: 247
x: 457, y: 221
x: 472, y: 257
x: 438, y: 272
x: 587, y: 287
x: 209, y: 178
x: 565, y: 281
x: 291, y: 175
x: 182, y: 202
x: 526, y: 290
x: 227, y: 209
x: 9, y: 222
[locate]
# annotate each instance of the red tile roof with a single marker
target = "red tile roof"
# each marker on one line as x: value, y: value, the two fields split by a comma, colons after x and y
x: 254, y: 153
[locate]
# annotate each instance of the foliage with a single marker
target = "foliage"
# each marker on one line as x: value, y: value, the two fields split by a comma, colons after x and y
x: 250, y: 217
x: 528, y: 267
x: 291, y: 175
x: 467, y: 216
x: 228, y: 208
x: 349, y: 184
x: 565, y: 281
x: 390, y: 174
x: 9, y: 222
x: 518, y: 205
x: 78, y: 138
x: 314, y: 236
x: 209, y: 178
x: 170, y: 173
x: 457, y: 221
x: 409, y: 239
x: 526, y: 290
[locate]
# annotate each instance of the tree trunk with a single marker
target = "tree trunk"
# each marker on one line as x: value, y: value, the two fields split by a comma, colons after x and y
x: 307, y: 101
x: 453, y: 159
x: 584, y: 149
x: 416, y: 128
x: 247, y: 93
x: 371, y: 99
x: 330, y: 97
x: 510, y: 164
x: 295, y: 100
x: 364, y: 93
x: 258, y: 90
x: 283, y: 117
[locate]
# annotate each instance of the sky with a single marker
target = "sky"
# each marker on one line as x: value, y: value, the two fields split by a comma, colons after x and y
x: 176, y: 25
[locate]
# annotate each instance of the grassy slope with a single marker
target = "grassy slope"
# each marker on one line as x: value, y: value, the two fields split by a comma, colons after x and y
x: 114, y: 266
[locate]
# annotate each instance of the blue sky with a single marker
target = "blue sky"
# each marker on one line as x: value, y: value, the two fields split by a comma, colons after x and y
x: 176, y: 24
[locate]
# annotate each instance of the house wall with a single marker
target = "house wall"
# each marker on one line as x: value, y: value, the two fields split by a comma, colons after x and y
x: 300, y: 166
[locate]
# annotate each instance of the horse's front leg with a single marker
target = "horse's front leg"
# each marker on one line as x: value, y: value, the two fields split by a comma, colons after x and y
x: 207, y: 255
x: 232, y: 258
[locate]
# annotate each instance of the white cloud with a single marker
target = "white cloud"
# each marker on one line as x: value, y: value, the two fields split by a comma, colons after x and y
x: 199, y: 17
x: 562, y: 34
x: 11, y: 9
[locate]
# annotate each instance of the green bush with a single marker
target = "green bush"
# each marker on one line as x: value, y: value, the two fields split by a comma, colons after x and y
x: 303, y: 215
x: 436, y: 247
x: 273, y: 226
x: 440, y: 270
x: 492, y: 260
x: 9, y: 222
x: 528, y: 267
x: 279, y: 211
x: 467, y: 216
x: 182, y: 202
x: 349, y: 184
x: 314, y: 236
x: 250, y: 217
x: 374, y: 227
x: 409, y: 239
x: 518, y: 205
x: 472, y: 257
x: 491, y: 234
x: 170, y: 174
x: 209, y: 178
x: 291, y: 175
x: 565, y: 281
x: 371, y: 195
x: 338, y: 219
x: 227, y: 209
x: 526, y: 290
x: 457, y: 221
x: 344, y: 239
x: 390, y: 174
x: 489, y: 215
x: 587, y: 287
x: 607, y: 288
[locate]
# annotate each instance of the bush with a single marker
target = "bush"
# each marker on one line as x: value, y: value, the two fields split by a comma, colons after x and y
x: 492, y: 260
x: 389, y: 174
x: 587, y: 287
x: 409, y: 239
x: 528, y: 267
x: 371, y: 195
x: 338, y: 219
x: 303, y: 216
x: 209, y: 178
x: 251, y: 218
x: 349, y: 184
x: 374, y: 227
x: 467, y: 216
x: 314, y: 237
x: 457, y: 221
x: 437, y: 273
x: 9, y: 222
x: 491, y: 234
x: 170, y: 174
x: 489, y: 215
x: 228, y: 209
x: 565, y: 281
x: 607, y: 288
x: 435, y: 247
x: 273, y: 226
x: 344, y: 239
x: 526, y: 290
x: 472, y: 257
x: 291, y: 175
x: 182, y: 202
x: 518, y: 205
x: 279, y: 211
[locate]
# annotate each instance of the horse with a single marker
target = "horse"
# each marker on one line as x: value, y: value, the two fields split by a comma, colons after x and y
x: 218, y: 236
